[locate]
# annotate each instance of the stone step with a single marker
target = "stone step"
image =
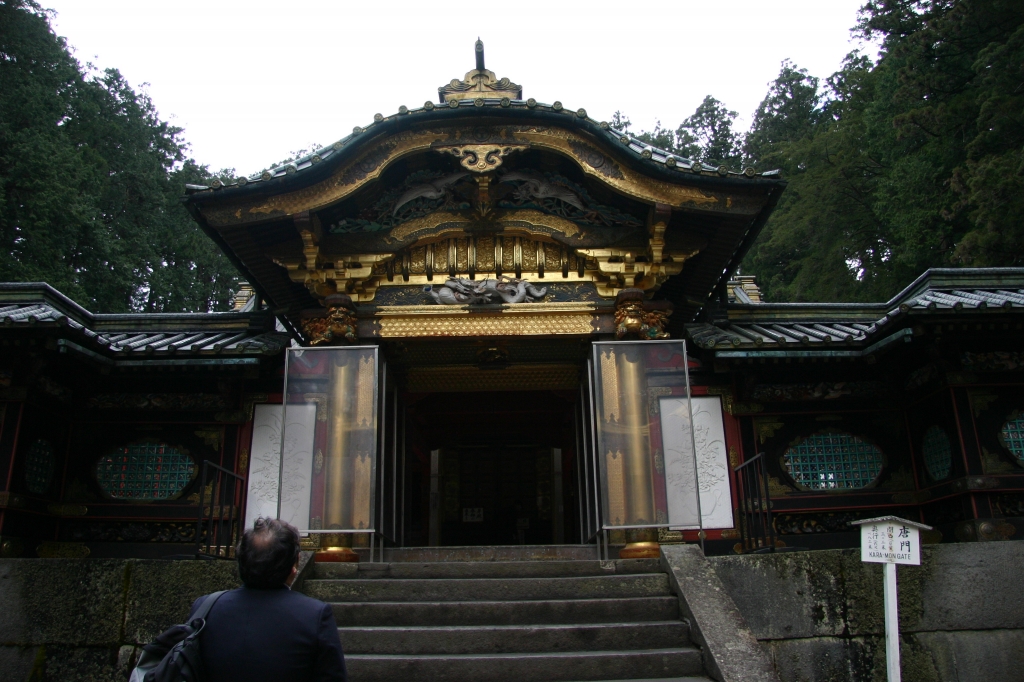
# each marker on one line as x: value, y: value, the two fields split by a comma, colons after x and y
x: 554, y: 611
x: 488, y: 553
x: 489, y: 589
x: 536, y: 667
x: 484, y: 569
x: 510, y: 639
x: 660, y: 679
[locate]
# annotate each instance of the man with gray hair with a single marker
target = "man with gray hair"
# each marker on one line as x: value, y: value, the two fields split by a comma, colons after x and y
x: 263, y: 630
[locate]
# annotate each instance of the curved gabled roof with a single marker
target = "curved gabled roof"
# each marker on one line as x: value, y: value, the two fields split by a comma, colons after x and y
x: 724, y: 208
x: 646, y: 156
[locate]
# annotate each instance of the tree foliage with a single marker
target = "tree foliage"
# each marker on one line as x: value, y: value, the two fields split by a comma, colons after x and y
x: 706, y: 135
x: 91, y: 181
x: 913, y: 162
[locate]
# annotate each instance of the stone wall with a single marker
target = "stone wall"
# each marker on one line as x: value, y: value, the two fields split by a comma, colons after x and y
x: 819, y: 614
x: 82, y: 619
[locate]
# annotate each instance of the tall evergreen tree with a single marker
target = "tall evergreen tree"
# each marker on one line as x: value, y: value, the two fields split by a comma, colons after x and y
x: 707, y: 135
x: 910, y: 163
x: 958, y: 69
x: 90, y: 181
x: 787, y: 115
x: 822, y: 242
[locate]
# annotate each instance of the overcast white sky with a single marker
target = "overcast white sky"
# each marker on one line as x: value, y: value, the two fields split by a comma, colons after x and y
x: 252, y: 81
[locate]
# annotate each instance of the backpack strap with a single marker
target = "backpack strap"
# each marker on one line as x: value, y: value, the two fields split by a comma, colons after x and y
x: 204, y: 608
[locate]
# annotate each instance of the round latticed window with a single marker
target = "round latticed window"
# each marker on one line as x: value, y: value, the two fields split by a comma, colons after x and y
x: 938, y: 453
x: 39, y: 464
x: 833, y: 461
x: 145, y: 471
x: 1012, y: 436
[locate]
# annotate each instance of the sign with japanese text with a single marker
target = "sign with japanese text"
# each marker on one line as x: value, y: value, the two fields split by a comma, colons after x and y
x: 890, y: 542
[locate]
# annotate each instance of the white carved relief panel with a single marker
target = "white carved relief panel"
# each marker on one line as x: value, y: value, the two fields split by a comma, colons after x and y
x: 265, y: 464
x: 712, y: 463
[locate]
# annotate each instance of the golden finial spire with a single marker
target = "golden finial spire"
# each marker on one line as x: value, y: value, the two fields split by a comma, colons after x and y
x: 480, y: 83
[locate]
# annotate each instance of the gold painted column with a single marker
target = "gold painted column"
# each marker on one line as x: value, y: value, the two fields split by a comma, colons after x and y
x: 335, y: 513
x: 634, y: 318
x: 636, y: 434
x: 337, y: 326
x: 337, y: 546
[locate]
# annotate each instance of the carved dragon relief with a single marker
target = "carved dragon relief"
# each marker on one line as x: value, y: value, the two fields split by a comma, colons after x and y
x: 501, y: 290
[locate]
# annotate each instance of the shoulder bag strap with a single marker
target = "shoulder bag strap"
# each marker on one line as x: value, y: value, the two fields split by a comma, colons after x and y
x: 204, y: 608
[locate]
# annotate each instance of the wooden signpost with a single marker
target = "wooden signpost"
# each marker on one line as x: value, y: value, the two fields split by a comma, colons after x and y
x: 891, y: 540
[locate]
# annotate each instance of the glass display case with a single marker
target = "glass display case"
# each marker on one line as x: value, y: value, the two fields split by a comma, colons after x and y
x: 642, y: 416
x: 328, y: 439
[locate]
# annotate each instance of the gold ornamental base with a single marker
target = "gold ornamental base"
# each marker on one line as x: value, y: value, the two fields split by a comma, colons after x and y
x: 332, y: 554
x: 640, y: 550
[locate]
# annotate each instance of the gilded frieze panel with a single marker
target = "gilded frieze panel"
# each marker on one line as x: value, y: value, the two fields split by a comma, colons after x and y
x: 485, y: 253
x: 536, y: 319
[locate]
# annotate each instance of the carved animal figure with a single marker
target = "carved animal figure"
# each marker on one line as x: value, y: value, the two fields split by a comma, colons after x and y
x: 453, y: 292
x: 430, y: 190
x: 538, y: 187
x: 470, y: 292
x: 509, y: 289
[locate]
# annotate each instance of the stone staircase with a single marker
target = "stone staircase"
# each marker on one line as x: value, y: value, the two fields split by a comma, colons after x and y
x: 485, y: 620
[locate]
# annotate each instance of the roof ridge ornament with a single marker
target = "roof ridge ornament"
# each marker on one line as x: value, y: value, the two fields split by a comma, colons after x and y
x: 479, y: 83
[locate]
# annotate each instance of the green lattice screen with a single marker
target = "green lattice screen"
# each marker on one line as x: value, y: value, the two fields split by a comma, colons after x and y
x: 833, y: 461
x: 39, y: 467
x: 938, y: 453
x: 144, y: 471
x: 1012, y: 436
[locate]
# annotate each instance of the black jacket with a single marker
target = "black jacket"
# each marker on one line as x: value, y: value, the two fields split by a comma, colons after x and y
x: 274, y: 635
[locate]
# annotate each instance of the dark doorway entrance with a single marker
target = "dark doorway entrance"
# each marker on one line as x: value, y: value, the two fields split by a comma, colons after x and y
x: 489, y: 468
x: 497, y: 496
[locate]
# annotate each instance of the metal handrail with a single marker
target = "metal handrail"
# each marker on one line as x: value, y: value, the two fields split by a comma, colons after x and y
x: 217, y: 525
x: 757, y: 530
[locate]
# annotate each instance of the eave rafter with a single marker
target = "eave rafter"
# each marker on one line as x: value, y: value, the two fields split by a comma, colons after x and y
x: 525, y: 243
